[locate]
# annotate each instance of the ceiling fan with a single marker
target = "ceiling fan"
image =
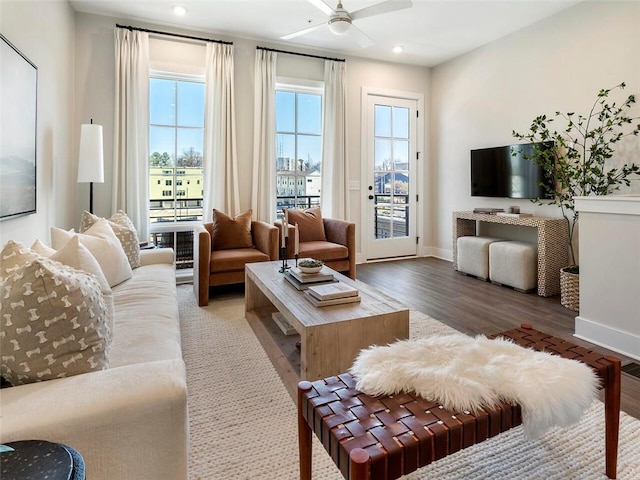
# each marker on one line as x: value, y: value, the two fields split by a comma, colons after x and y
x: 341, y: 21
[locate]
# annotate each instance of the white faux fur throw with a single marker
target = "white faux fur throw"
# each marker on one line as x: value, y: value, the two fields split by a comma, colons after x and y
x: 466, y: 373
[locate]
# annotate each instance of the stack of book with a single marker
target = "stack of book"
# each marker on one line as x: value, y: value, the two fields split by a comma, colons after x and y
x: 302, y: 281
x: 332, y: 294
x: 283, y: 323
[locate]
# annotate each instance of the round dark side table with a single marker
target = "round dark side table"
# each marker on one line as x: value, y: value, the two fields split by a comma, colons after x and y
x: 38, y: 459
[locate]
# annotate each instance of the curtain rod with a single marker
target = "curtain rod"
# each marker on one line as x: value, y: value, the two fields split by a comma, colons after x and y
x: 301, y: 54
x: 129, y: 27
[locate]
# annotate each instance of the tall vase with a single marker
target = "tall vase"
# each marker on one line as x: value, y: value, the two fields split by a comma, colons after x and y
x: 570, y: 290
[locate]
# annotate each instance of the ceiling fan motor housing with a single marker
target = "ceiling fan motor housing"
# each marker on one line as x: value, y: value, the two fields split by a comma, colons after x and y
x: 339, y: 24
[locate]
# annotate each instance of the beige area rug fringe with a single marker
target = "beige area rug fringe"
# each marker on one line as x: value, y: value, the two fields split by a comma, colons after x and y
x: 243, y: 422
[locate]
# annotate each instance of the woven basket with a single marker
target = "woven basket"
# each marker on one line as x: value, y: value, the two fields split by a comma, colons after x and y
x: 570, y: 290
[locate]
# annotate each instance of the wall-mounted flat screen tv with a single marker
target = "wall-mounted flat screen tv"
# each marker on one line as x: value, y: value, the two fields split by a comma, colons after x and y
x: 506, y: 172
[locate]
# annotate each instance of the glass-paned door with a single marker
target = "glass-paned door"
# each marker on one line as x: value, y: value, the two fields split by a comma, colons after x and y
x: 391, y: 193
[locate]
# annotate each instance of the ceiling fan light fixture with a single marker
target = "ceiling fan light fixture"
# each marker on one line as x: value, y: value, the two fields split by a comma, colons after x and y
x: 339, y: 25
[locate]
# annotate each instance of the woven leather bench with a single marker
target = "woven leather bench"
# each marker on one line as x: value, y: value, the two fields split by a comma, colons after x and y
x: 383, y: 438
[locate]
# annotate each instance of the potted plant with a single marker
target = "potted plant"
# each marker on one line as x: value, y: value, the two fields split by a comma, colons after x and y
x: 580, y: 164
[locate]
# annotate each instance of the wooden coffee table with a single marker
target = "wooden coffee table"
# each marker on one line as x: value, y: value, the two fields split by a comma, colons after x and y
x: 330, y: 337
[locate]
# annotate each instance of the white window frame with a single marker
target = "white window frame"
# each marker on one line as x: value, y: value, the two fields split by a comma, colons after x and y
x: 175, y: 226
x: 159, y: 227
x: 301, y: 85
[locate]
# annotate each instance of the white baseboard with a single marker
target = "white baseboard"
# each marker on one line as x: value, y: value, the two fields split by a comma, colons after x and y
x: 440, y: 253
x: 624, y: 343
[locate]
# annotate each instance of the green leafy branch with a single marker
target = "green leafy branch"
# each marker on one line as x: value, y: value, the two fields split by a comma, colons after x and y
x: 579, y: 161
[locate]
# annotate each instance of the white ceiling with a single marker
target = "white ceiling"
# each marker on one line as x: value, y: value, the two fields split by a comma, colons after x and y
x: 431, y: 31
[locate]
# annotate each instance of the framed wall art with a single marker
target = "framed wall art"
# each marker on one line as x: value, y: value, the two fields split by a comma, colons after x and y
x: 18, y: 98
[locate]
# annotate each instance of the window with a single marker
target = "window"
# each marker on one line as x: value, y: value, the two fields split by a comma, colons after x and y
x: 176, y: 146
x: 176, y: 143
x: 299, y: 146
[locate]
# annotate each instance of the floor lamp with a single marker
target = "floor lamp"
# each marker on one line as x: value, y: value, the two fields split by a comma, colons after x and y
x: 90, y: 157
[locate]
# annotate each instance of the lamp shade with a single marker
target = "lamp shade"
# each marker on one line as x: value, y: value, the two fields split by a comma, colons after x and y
x: 90, y: 157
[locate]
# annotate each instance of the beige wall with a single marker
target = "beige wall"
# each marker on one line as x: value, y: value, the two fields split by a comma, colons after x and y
x: 44, y: 33
x: 557, y: 64
x: 94, y: 58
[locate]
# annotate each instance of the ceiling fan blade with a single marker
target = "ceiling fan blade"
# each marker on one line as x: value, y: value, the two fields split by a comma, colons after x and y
x: 326, y: 9
x: 302, y: 32
x: 360, y: 37
x: 379, y: 8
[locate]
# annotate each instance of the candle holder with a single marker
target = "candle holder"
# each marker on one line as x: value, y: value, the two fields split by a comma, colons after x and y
x: 283, y: 254
x: 296, y: 257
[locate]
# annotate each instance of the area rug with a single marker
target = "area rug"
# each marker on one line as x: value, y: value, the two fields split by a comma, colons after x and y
x: 243, y: 421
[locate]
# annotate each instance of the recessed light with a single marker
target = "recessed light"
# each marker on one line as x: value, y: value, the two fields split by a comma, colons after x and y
x: 179, y: 10
x: 397, y: 49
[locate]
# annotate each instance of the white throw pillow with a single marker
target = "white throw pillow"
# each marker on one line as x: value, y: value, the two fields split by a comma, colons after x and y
x: 76, y: 255
x: 42, y: 249
x: 123, y: 228
x: 103, y: 245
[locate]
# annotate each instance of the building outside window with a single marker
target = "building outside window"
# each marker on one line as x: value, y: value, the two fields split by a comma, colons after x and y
x: 299, y: 146
x: 176, y: 146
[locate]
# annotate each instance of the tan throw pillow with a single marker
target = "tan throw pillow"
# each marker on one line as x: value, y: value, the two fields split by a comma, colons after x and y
x: 231, y: 232
x: 79, y: 257
x: 53, y: 323
x: 12, y: 257
x: 73, y: 254
x: 103, y: 245
x: 123, y: 228
x: 309, y: 222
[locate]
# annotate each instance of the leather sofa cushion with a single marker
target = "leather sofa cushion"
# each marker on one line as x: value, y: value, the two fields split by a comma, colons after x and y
x: 230, y: 232
x: 309, y: 222
x: 324, y: 251
x: 235, y: 259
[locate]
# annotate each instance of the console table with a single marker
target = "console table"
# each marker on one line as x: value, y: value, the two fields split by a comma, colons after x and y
x: 553, y: 243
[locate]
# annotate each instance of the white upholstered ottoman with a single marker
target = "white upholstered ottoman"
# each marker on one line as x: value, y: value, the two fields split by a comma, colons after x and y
x: 515, y: 264
x: 473, y: 255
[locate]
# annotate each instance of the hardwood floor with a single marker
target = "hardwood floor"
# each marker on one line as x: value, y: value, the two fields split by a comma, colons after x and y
x: 431, y: 286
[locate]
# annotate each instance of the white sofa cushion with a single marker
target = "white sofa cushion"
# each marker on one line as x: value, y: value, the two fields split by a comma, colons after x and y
x: 146, y: 313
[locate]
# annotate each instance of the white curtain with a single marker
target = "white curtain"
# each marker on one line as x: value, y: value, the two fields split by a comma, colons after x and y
x: 263, y: 191
x: 335, y: 197
x: 220, y: 156
x: 130, y: 130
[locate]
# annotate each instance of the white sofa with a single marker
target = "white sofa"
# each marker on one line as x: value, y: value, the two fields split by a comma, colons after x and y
x: 129, y: 421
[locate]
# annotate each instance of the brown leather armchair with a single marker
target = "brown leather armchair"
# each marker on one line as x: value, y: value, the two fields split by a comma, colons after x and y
x: 337, y: 252
x: 223, y: 267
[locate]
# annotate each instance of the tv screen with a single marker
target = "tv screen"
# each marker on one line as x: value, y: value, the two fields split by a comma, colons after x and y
x: 507, y: 173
